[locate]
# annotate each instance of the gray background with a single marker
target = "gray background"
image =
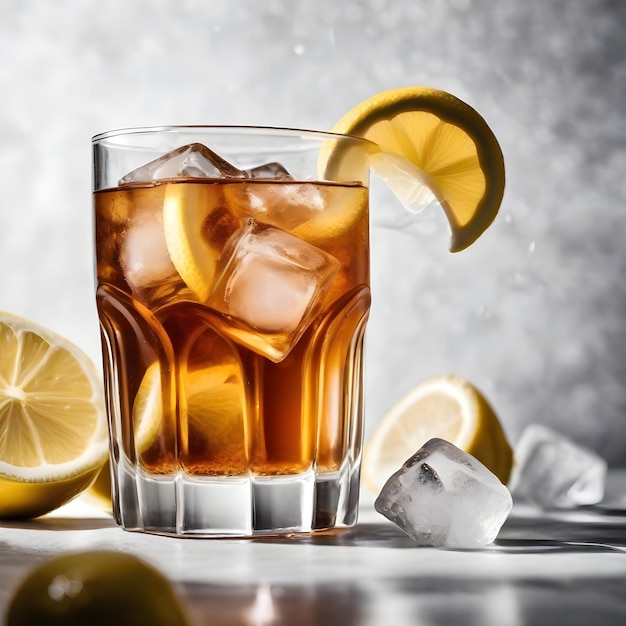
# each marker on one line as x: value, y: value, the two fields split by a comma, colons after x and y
x: 533, y: 314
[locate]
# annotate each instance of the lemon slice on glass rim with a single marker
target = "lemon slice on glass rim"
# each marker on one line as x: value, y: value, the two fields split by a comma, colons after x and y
x: 53, y: 426
x: 432, y: 147
x: 447, y: 407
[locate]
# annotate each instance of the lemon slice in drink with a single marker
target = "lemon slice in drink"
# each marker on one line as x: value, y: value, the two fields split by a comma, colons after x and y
x: 212, y: 400
x: 213, y: 404
x: 447, y: 407
x: 53, y: 428
x: 433, y: 147
x: 147, y: 422
x: 186, y: 209
x: 147, y: 410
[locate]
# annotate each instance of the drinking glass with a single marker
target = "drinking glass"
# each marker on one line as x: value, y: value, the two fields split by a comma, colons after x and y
x: 233, y: 291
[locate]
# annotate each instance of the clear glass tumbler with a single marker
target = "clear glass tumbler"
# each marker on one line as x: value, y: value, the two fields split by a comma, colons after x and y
x: 233, y: 293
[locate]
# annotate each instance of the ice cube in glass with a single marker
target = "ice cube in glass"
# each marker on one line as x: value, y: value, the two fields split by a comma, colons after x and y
x: 270, y: 170
x: 192, y: 161
x: 270, y: 286
x: 144, y: 258
x: 280, y: 203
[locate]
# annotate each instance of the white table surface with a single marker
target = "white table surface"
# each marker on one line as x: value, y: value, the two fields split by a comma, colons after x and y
x: 545, y: 568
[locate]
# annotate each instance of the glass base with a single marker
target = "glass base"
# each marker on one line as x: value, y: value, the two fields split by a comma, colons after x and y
x: 235, y: 506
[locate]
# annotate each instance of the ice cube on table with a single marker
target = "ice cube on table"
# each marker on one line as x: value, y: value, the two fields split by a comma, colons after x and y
x: 282, y: 203
x: 444, y: 497
x: 270, y: 286
x: 552, y: 471
x: 192, y: 161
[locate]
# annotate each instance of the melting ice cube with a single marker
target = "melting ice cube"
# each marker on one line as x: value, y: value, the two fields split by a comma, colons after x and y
x: 270, y: 286
x: 443, y: 496
x: 282, y: 204
x: 554, y: 472
x: 144, y: 257
x: 192, y: 161
x: 270, y: 170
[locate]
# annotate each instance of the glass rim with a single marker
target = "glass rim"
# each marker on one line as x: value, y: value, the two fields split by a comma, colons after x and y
x: 228, y: 129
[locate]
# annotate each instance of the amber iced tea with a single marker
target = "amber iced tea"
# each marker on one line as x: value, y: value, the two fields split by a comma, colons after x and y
x: 229, y: 410
x: 232, y: 312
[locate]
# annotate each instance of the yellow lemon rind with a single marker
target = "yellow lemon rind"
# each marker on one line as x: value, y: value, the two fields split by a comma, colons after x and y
x: 184, y: 211
x: 452, y: 110
x: 481, y: 433
x: 27, y: 500
x: 99, y: 493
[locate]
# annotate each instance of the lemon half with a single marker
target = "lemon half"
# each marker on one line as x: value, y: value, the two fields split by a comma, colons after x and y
x: 53, y: 427
x: 447, y: 407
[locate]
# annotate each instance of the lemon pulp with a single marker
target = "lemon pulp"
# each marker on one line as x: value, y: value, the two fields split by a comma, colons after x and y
x: 53, y: 429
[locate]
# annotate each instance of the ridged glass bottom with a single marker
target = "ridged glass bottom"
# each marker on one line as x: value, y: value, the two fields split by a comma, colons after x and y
x: 183, y: 505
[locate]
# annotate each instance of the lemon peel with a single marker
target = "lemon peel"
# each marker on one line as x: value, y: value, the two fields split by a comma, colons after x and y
x: 430, y: 139
x: 53, y: 426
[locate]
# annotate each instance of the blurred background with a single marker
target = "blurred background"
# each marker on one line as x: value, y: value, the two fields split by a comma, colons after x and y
x: 533, y: 314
